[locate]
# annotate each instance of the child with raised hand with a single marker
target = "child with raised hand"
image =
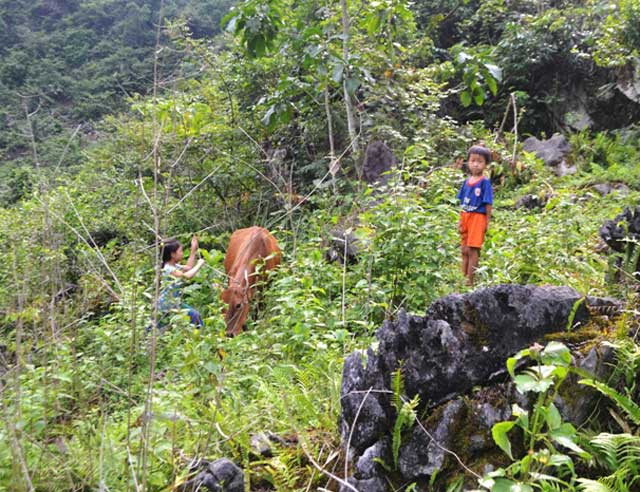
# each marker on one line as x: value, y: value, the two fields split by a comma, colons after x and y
x: 172, y: 275
x: 476, y: 199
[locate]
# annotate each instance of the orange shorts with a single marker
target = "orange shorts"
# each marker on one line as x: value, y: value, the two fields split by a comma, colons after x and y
x: 472, y: 228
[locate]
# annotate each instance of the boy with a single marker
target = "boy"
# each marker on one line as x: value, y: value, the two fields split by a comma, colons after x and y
x: 476, y: 198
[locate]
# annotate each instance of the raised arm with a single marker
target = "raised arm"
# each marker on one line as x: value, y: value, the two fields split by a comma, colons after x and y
x: 192, y: 255
x: 187, y: 272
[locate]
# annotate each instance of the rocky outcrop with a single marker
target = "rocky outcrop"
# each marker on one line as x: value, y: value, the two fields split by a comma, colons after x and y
x: 454, y: 360
x: 553, y: 152
x: 378, y: 160
x: 532, y: 201
x: 606, y: 188
x: 624, y: 227
x: 622, y: 235
x: 629, y: 80
x: 342, y: 245
x: 217, y: 476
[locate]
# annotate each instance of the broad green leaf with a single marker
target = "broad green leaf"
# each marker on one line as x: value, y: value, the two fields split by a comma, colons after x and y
x: 337, y: 72
x: 527, y: 382
x: 372, y: 23
x: 506, y: 485
x: 565, y: 435
x: 554, y: 420
x: 463, y: 57
x: 352, y: 85
x: 465, y: 98
x: 511, y: 361
x: 495, y: 71
x: 556, y: 353
x: 559, y: 460
x: 499, y: 434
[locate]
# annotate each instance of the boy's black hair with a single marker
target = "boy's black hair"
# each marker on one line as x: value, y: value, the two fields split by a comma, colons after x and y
x: 480, y: 150
x: 169, y: 247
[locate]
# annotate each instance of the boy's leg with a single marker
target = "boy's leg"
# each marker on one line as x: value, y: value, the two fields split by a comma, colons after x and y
x: 465, y: 260
x: 474, y: 256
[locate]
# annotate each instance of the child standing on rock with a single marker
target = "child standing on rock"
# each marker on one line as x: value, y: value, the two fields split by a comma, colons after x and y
x: 476, y: 198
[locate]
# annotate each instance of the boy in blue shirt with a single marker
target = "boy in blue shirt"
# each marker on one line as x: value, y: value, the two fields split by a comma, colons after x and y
x: 476, y: 199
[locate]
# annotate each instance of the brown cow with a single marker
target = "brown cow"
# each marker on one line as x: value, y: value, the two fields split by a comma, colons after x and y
x: 247, y: 247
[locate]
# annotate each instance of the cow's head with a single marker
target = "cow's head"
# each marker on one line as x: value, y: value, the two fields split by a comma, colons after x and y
x: 238, y: 308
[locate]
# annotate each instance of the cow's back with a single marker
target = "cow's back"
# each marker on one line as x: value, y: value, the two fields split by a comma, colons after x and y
x: 249, y: 244
x: 238, y: 239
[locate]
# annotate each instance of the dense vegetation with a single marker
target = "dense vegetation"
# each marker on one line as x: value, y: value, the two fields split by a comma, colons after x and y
x: 68, y: 63
x: 271, y: 131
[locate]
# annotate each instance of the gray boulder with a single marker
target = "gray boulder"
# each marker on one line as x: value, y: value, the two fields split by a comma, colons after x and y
x: 532, y: 201
x: 624, y: 226
x: 453, y: 358
x: 378, y: 160
x: 369, y: 464
x: 218, y: 476
x: 375, y: 484
x: 423, y: 453
x: 553, y: 152
x: 606, y: 188
x: 342, y: 245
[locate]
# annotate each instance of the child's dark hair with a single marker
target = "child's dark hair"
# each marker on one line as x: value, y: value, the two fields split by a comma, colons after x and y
x: 169, y: 247
x: 480, y: 150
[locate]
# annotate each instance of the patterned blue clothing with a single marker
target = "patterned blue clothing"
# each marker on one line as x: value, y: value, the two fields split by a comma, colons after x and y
x: 171, y: 297
x: 475, y: 197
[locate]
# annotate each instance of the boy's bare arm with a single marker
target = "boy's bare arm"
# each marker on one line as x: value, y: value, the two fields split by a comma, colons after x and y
x: 488, y: 213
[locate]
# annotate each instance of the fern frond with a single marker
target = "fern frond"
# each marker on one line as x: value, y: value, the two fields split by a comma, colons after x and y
x: 616, y: 450
x: 620, y: 455
x: 397, y: 388
x: 625, y: 403
x: 587, y: 485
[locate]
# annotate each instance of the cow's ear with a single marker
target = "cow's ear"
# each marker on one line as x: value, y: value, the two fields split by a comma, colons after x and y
x: 225, y: 296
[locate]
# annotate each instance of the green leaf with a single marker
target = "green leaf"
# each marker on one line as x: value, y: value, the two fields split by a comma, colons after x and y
x: 565, y: 435
x: 588, y: 485
x: 526, y: 383
x: 554, y: 420
x: 352, y: 85
x: 626, y: 404
x: 556, y: 353
x: 511, y: 361
x: 499, y: 434
x: 506, y: 485
x: 465, y: 98
x: 492, y: 85
x: 337, y: 72
x: 372, y: 22
x: 559, y: 460
x: 495, y: 71
x: 463, y: 57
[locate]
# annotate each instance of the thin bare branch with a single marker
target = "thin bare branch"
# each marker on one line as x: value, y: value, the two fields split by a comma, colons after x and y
x: 256, y: 143
x: 353, y: 426
x: 194, y: 189
x: 95, y: 245
x: 327, y: 472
